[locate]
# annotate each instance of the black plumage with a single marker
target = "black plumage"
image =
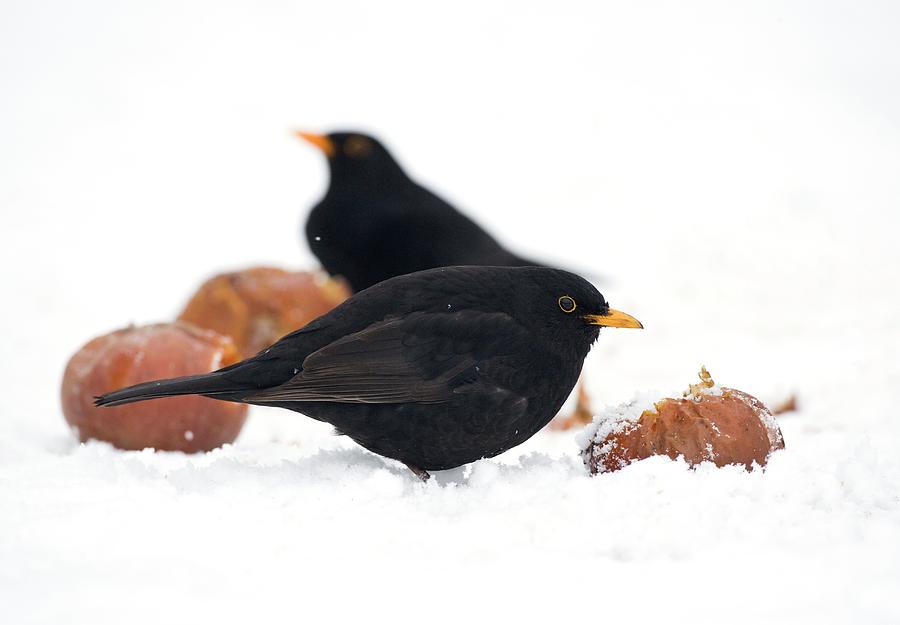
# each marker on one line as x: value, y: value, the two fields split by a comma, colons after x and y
x: 436, y: 369
x: 375, y: 222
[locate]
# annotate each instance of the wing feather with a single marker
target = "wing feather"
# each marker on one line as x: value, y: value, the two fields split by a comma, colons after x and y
x: 422, y: 358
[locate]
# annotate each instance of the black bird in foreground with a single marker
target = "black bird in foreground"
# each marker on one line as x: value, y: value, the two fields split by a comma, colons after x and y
x: 435, y: 369
x: 375, y: 222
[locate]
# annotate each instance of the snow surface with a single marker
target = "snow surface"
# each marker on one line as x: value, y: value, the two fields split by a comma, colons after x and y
x: 728, y: 173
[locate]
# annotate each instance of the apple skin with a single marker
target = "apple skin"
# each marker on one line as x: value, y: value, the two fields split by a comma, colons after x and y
x: 730, y: 427
x: 139, y: 354
x: 259, y: 305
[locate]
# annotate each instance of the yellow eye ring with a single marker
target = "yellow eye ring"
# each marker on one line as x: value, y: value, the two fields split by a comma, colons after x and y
x: 567, y: 304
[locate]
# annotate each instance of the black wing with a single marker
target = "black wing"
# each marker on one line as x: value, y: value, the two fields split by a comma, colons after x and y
x: 423, y: 358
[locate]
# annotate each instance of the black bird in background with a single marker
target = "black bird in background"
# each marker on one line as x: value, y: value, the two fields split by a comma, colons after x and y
x: 435, y: 369
x: 375, y: 222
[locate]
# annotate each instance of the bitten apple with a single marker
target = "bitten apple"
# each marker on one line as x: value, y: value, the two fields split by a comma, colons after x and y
x: 709, y: 423
x: 257, y: 306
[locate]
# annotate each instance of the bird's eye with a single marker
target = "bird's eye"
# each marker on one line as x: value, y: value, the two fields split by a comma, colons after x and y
x: 357, y: 147
x: 566, y: 304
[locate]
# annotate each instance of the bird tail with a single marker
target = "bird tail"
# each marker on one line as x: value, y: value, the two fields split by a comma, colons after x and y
x: 208, y: 384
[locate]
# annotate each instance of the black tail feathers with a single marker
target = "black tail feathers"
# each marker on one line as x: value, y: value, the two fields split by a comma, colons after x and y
x: 209, y: 384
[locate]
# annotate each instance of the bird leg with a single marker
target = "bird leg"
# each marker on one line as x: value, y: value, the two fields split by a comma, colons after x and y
x: 422, y: 474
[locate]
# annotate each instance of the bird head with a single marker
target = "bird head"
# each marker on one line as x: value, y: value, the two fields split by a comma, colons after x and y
x: 355, y: 157
x: 569, y: 304
x: 553, y: 305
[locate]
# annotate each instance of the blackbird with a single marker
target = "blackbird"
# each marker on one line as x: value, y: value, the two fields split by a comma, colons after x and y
x: 436, y: 369
x: 375, y: 222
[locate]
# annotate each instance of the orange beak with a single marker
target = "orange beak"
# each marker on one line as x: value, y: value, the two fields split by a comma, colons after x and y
x: 320, y: 141
x: 614, y: 319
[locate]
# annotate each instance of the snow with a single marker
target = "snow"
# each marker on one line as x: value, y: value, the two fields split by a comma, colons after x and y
x: 728, y: 174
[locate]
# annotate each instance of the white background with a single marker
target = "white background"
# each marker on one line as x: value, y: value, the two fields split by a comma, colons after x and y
x: 728, y: 171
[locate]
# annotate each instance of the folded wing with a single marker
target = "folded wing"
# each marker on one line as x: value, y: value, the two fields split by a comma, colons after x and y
x: 422, y: 358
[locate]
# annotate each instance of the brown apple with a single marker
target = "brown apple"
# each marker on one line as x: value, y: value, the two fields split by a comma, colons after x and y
x: 257, y: 306
x: 140, y: 354
x: 721, y: 425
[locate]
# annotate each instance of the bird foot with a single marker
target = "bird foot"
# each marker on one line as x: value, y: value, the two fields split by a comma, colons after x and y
x: 422, y: 474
